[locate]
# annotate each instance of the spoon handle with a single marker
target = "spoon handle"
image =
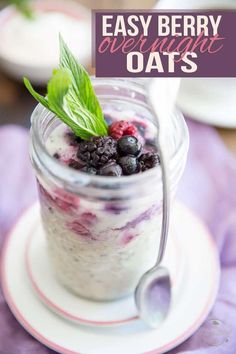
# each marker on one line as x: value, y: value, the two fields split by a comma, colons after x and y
x: 166, y: 200
x: 162, y: 97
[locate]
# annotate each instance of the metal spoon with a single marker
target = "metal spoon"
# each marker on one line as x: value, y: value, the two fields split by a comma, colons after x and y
x: 153, y: 292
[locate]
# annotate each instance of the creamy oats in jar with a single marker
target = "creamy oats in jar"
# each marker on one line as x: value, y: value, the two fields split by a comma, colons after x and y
x: 101, y: 200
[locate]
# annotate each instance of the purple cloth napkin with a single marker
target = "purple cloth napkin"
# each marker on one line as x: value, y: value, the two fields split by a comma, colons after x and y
x: 208, y: 187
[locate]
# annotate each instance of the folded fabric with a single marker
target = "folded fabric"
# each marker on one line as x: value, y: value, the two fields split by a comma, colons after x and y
x: 208, y: 187
x: 17, y: 191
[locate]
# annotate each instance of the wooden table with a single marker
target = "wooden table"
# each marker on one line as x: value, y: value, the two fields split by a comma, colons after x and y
x: 16, y: 105
x: 229, y: 138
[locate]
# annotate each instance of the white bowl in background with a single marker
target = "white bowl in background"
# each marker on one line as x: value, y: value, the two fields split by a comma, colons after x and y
x: 195, y: 4
x: 209, y: 100
x: 36, y: 52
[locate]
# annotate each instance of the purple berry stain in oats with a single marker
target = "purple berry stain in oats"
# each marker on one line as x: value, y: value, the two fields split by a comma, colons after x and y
x: 114, y: 208
x: 146, y: 215
x: 89, y: 219
x: 60, y: 199
x: 80, y: 229
x: 127, y: 238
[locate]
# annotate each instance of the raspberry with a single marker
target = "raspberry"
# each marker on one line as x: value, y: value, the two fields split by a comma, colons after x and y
x: 97, y: 151
x: 148, y: 160
x: 121, y: 128
x: 131, y: 130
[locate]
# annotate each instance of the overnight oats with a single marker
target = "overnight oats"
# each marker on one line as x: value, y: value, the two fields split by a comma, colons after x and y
x: 99, y: 180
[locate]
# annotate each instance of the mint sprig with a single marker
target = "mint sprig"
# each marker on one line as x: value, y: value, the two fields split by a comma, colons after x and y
x: 80, y: 80
x: 71, y: 97
x: 24, y: 7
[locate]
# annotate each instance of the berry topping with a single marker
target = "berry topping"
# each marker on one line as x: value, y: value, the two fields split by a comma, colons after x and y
x: 89, y: 169
x: 128, y: 145
x: 121, y: 128
x: 128, y: 164
x: 148, y: 160
x: 111, y: 169
x: 126, y: 152
x: 97, y: 151
x: 56, y: 156
x: 77, y: 165
x: 131, y: 130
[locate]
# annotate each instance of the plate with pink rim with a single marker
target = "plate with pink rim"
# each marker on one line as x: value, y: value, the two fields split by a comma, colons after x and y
x: 74, y: 308
x: 195, y: 280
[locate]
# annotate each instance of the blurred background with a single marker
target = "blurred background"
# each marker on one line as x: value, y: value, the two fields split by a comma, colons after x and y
x: 16, y: 104
x: 29, y: 47
x: 26, y: 49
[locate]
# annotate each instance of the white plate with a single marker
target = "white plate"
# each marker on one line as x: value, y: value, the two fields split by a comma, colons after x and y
x: 70, y: 306
x: 195, y: 4
x: 190, y: 306
x: 208, y: 100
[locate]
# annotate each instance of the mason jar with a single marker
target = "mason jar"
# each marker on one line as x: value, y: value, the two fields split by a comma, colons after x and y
x: 103, y: 232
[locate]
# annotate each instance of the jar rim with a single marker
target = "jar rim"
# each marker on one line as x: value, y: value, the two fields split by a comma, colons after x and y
x: 78, y: 178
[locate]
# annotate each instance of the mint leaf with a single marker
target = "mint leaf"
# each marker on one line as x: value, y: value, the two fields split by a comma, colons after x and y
x: 58, y: 87
x: 71, y: 97
x: 81, y: 83
x: 66, y: 107
x: 36, y: 95
x: 91, y: 126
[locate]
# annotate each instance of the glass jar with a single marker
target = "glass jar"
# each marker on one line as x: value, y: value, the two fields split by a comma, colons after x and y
x: 103, y: 232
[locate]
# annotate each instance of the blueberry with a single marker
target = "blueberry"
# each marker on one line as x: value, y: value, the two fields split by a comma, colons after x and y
x: 128, y: 164
x: 56, y: 156
x: 89, y: 170
x: 111, y: 169
x: 128, y: 145
x: 108, y: 119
